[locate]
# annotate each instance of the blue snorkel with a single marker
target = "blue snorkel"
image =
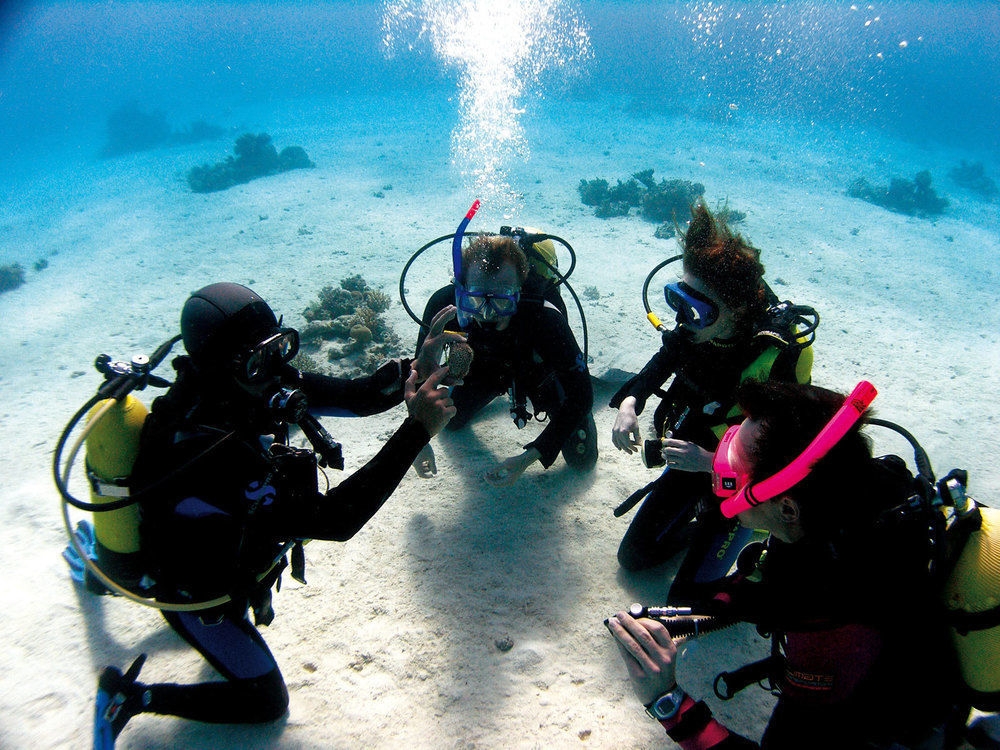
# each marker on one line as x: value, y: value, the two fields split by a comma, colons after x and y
x: 456, y: 261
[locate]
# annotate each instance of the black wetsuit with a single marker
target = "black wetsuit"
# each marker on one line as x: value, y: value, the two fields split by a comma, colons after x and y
x: 229, y: 505
x: 537, y: 355
x: 862, y: 655
x: 696, y: 407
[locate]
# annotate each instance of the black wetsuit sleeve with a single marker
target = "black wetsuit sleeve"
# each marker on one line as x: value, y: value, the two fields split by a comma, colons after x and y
x: 652, y: 376
x: 553, y: 340
x: 361, y: 397
x: 342, y: 511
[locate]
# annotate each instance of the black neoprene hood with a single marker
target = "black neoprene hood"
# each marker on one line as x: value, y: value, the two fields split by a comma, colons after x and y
x: 220, y: 320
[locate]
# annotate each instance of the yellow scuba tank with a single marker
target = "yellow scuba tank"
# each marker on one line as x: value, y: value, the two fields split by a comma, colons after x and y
x: 112, y: 447
x: 972, y: 602
x: 547, y: 250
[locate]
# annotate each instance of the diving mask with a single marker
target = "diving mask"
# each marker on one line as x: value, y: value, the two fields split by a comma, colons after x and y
x: 487, y: 306
x: 264, y: 359
x: 693, y: 308
x: 734, y: 485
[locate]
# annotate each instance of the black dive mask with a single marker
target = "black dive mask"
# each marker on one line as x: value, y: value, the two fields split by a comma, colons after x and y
x: 264, y: 359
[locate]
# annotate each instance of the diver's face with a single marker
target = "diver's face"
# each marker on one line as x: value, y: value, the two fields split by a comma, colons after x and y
x: 723, y: 327
x: 503, y: 281
x: 770, y: 516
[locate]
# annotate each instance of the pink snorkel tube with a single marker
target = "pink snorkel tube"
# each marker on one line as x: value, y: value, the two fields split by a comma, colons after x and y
x: 754, y: 494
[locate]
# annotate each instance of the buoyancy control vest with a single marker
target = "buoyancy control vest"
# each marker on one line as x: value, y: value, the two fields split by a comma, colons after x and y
x: 961, y: 539
x: 714, y: 410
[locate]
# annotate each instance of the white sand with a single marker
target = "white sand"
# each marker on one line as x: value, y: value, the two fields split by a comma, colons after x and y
x: 393, y: 640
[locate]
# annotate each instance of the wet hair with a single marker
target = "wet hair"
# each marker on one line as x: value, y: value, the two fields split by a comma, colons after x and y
x: 491, y: 252
x: 727, y: 264
x: 835, y: 495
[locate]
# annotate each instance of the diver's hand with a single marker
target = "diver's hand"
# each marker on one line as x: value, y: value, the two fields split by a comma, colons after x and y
x: 684, y: 456
x: 429, y: 356
x: 649, y: 655
x: 505, y: 473
x: 424, y: 464
x: 431, y: 403
x: 625, y: 434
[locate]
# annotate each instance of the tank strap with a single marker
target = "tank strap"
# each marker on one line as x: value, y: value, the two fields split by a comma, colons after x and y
x: 116, y: 487
x: 965, y: 622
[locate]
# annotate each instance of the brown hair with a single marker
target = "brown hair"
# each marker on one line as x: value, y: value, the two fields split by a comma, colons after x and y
x: 727, y: 264
x: 833, y: 494
x: 490, y: 252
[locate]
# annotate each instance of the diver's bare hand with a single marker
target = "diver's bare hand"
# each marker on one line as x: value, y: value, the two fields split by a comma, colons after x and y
x: 684, y: 456
x: 648, y: 652
x: 429, y: 356
x: 625, y: 434
x: 431, y: 403
x: 510, y: 470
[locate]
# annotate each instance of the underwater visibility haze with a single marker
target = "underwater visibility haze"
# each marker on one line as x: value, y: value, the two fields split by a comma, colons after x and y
x: 150, y: 148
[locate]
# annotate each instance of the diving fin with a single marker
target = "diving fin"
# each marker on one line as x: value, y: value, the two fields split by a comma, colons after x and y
x: 118, y: 700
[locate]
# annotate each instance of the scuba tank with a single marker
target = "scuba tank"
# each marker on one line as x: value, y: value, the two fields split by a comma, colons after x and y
x: 111, y: 449
x: 964, y: 540
x: 542, y: 256
x: 108, y: 559
x: 971, y: 599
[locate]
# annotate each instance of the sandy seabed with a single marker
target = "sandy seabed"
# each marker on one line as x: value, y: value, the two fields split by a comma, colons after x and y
x: 393, y: 642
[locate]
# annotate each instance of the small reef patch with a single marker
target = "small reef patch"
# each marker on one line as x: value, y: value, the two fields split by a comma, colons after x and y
x: 972, y: 177
x: 255, y: 157
x: 11, y: 277
x: 130, y: 129
x: 667, y: 202
x: 346, y: 333
x: 913, y: 197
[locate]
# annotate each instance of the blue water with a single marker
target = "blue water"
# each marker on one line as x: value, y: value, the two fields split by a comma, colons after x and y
x: 63, y: 66
x: 775, y: 106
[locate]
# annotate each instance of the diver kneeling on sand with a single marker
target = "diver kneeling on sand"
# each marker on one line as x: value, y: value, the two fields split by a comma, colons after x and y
x: 877, y: 588
x: 515, y: 321
x: 730, y: 328
x: 219, y: 497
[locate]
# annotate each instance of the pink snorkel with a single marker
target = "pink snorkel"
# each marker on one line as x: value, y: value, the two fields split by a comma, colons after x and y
x: 725, y: 481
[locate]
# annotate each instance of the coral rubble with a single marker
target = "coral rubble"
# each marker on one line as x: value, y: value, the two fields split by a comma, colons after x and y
x: 913, y: 197
x: 255, y: 157
x: 346, y: 329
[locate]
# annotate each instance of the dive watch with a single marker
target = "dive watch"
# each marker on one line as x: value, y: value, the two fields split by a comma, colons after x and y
x: 667, y: 705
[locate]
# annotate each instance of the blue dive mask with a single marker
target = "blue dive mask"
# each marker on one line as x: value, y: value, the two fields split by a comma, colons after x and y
x: 485, y: 306
x: 693, y: 308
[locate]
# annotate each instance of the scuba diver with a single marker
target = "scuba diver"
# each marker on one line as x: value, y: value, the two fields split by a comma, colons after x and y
x: 730, y: 328
x: 515, y: 322
x: 222, y: 496
x: 848, y: 585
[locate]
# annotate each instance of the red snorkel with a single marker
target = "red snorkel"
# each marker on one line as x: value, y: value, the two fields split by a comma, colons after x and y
x: 725, y: 480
